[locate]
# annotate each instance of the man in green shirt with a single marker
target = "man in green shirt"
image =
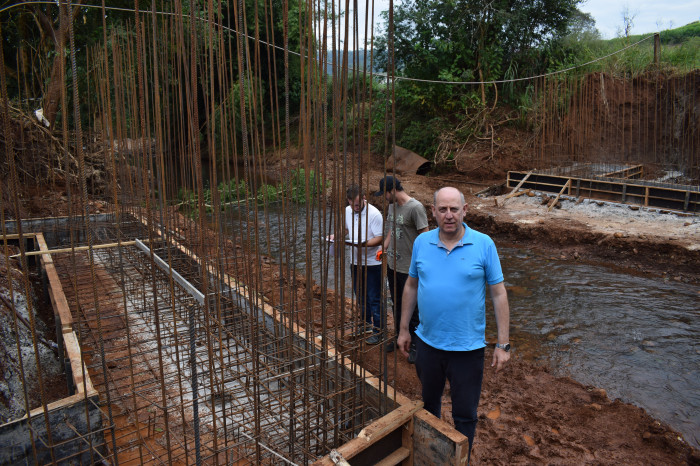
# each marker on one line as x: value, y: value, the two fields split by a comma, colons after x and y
x: 406, y: 219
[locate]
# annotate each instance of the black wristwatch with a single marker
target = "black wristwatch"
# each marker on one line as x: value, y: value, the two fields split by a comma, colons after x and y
x: 505, y: 347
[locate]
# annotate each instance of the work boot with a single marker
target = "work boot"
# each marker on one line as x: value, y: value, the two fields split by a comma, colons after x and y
x: 362, y: 330
x: 374, y: 339
x: 389, y: 348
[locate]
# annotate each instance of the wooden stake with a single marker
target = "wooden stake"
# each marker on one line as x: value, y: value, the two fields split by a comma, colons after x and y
x: 513, y: 192
x: 554, y: 202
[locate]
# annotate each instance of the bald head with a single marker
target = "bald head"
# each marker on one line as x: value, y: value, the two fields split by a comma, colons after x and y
x: 448, y: 191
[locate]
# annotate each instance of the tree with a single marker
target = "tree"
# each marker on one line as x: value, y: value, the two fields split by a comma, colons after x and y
x: 40, y: 32
x: 55, y: 30
x: 475, y: 41
x: 478, y: 40
x: 627, y: 20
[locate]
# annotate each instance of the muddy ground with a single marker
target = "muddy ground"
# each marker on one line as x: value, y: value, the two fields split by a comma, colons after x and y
x: 528, y: 416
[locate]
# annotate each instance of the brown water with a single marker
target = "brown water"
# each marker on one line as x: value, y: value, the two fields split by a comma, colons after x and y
x: 636, y: 337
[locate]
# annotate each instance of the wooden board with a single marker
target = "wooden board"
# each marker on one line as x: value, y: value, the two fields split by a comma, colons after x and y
x: 622, y: 191
x: 58, y: 299
x: 436, y: 442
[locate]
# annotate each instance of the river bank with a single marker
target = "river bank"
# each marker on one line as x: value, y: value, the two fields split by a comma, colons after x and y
x: 528, y: 415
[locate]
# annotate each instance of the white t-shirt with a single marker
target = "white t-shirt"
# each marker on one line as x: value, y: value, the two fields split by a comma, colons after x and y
x: 361, y: 227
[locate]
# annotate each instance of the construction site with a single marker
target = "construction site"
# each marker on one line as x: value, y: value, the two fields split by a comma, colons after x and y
x: 168, y: 296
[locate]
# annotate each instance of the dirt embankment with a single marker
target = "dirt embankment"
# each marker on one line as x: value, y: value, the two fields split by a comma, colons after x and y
x: 635, y: 240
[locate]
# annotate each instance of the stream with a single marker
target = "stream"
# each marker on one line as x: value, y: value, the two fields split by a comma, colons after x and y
x: 634, y: 336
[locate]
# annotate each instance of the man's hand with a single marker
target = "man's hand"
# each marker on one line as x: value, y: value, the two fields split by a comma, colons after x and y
x: 404, y: 341
x: 500, y: 357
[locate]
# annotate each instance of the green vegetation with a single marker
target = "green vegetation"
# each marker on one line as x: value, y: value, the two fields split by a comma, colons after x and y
x: 484, y: 41
x: 434, y: 41
x: 296, y: 190
x: 237, y: 193
x: 680, y: 52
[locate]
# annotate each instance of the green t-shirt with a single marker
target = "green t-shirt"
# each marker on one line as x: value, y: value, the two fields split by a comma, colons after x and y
x: 410, y: 218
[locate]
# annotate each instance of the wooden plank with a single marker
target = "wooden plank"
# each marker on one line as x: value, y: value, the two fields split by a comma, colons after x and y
x: 77, y: 248
x: 554, y: 202
x: 512, y: 193
x: 81, y: 377
x: 14, y: 236
x: 58, y: 298
x: 395, y: 458
x: 407, y: 441
x: 62, y: 403
x: 436, y: 442
x: 384, y: 425
x: 375, y: 432
x: 520, y: 193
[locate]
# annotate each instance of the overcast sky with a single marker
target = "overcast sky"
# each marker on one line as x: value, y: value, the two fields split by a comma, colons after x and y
x: 648, y: 15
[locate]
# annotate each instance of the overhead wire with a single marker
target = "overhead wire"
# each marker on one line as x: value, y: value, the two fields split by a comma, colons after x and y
x: 377, y: 73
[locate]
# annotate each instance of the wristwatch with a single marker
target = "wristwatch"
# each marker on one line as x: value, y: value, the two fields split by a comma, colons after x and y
x: 505, y: 347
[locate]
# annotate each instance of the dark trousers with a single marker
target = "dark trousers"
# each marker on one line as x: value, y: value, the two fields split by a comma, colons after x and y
x: 367, y: 284
x: 464, y: 370
x: 397, y: 280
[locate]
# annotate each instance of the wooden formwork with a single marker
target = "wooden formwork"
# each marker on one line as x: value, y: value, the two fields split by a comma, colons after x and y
x: 75, y: 422
x: 618, y: 186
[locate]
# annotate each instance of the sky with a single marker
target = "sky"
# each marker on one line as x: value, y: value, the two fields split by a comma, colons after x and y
x: 648, y: 15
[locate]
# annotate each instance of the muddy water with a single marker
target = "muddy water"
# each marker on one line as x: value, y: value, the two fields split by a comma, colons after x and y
x: 636, y: 337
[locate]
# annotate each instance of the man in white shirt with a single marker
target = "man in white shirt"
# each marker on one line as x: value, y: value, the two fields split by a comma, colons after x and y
x: 364, y: 228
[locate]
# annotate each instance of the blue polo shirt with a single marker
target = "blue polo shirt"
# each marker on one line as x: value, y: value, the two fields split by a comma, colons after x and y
x: 452, y: 288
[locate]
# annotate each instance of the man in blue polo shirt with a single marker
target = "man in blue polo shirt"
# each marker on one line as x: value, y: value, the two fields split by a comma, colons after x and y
x: 451, y: 267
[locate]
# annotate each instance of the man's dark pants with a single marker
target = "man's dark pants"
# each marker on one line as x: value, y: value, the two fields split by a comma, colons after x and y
x: 367, y: 284
x: 397, y: 280
x: 464, y: 370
